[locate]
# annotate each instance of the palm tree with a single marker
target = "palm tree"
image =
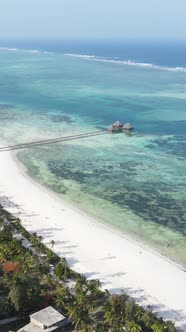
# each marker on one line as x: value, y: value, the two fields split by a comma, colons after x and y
x: 63, y: 297
x: 33, y: 238
x: 62, y: 269
x: 132, y: 326
x: 81, y: 281
x: 39, y: 243
x: 50, y: 282
x: 4, y: 252
x: 157, y: 327
x: 170, y: 326
x: 114, y: 312
x: 110, y: 318
x: 52, y: 243
x: 79, y: 315
x: 94, y: 287
x: 40, y: 238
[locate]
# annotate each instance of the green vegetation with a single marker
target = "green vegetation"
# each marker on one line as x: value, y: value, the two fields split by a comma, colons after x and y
x: 27, y: 285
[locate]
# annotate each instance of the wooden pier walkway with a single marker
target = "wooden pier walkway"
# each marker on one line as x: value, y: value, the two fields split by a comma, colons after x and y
x: 51, y: 141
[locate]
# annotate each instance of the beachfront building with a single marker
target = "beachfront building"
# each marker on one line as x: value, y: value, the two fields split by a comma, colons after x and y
x: 47, y: 320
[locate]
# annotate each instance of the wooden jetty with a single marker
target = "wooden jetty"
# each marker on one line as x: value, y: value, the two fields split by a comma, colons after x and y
x: 51, y: 141
x: 115, y: 127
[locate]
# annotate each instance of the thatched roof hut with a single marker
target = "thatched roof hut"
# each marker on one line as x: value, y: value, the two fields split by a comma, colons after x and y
x: 116, y: 126
x: 127, y: 126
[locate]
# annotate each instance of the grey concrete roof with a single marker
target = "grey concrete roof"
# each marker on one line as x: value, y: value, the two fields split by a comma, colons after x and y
x: 48, y: 316
x: 33, y: 328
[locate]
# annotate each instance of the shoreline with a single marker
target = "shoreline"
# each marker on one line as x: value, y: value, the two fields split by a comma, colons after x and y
x: 93, y: 248
x: 108, y: 227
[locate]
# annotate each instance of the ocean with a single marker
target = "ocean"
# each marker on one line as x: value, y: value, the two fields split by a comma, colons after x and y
x: 134, y: 182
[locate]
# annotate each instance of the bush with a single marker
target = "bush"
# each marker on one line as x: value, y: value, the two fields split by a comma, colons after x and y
x: 10, y: 267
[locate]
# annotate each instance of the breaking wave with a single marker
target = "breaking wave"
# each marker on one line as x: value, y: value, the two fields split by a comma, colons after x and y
x: 115, y: 60
x: 13, y: 49
x: 127, y: 62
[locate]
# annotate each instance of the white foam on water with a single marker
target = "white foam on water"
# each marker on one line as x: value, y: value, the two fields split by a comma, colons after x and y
x: 84, y: 56
x: 114, y: 60
x: 13, y: 49
x: 8, y: 49
x: 127, y: 62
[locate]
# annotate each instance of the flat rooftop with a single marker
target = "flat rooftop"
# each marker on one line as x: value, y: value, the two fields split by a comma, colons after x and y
x: 48, y: 316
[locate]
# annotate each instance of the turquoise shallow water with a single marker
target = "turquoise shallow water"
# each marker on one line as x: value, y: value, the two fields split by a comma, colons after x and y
x: 135, y: 182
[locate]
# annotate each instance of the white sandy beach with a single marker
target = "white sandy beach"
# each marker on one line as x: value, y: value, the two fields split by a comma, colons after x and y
x: 93, y: 249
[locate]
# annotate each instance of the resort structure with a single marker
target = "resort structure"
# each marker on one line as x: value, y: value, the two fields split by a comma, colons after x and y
x: 47, y: 320
x: 118, y: 127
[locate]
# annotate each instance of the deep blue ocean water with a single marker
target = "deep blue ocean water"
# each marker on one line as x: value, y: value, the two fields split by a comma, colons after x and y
x: 134, y: 182
x: 164, y: 52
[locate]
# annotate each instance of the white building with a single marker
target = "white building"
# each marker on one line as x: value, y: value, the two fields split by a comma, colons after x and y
x: 47, y: 320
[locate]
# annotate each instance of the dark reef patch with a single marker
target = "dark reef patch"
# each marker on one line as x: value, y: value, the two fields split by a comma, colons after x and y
x: 115, y: 181
x: 175, y: 145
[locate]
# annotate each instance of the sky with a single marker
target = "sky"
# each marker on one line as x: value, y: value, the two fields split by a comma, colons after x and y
x: 97, y: 19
